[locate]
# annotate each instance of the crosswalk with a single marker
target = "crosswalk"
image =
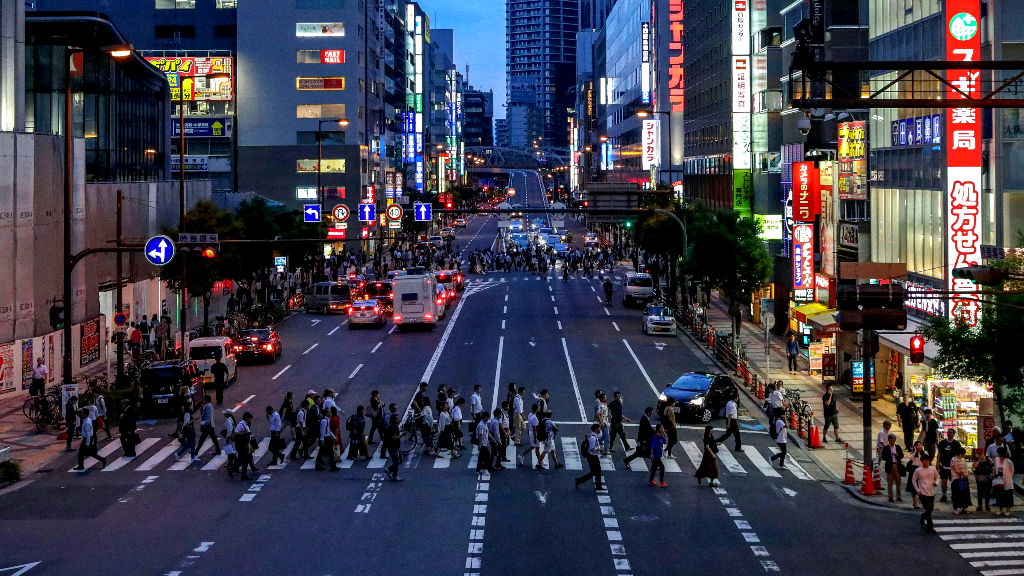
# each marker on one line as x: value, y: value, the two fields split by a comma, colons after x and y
x: 158, y: 454
x: 993, y: 545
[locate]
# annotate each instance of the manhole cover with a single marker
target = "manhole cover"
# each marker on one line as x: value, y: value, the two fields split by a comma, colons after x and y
x: 644, y: 518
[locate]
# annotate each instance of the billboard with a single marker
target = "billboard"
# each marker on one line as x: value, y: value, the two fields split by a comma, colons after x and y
x: 741, y: 122
x: 803, y: 262
x: 319, y: 83
x: 963, y: 156
x: 806, y: 192
x: 204, y: 127
x: 853, y: 164
x: 650, y: 154
x: 310, y: 29
x: 197, y: 79
x: 676, y: 77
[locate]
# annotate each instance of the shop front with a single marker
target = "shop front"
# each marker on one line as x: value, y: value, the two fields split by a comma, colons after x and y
x: 799, y: 322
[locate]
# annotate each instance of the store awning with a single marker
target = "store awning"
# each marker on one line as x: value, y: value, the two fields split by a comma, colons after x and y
x: 901, y: 342
x: 827, y: 321
x: 802, y: 313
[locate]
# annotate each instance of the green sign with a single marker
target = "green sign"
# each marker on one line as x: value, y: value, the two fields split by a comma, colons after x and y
x: 743, y: 193
x: 963, y: 26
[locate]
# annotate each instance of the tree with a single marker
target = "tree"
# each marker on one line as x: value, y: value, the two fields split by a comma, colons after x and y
x: 990, y: 351
x: 727, y: 255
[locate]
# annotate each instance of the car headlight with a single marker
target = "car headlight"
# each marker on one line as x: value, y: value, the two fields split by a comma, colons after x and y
x: 698, y: 401
x: 662, y: 398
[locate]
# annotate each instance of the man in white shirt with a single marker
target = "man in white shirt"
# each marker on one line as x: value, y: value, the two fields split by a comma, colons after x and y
x: 88, y: 446
x: 732, y: 427
x: 883, y: 437
x: 483, y: 438
x: 476, y: 407
x: 593, y: 460
x: 777, y: 401
x: 518, y: 416
x: 39, y: 374
x: 276, y: 441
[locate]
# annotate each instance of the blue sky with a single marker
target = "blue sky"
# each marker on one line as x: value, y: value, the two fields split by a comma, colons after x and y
x: 479, y: 40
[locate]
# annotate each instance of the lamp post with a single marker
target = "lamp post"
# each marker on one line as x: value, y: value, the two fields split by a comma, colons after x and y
x: 343, y: 122
x: 671, y: 167
x: 119, y: 51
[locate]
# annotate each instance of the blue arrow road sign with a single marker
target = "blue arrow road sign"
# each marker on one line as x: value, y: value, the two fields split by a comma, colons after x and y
x: 367, y: 212
x: 159, y: 250
x: 311, y: 213
x: 421, y: 212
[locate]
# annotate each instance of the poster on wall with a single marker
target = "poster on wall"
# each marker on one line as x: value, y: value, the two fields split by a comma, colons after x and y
x: 852, y: 158
x: 26, y: 364
x: 7, y: 368
x: 90, y: 342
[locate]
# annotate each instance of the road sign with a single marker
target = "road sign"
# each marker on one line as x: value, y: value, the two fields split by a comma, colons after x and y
x: 367, y: 212
x: 394, y: 212
x: 311, y: 213
x: 336, y: 233
x: 159, y: 250
x: 280, y: 260
x: 421, y: 212
x: 511, y: 192
x: 504, y: 215
x: 340, y: 212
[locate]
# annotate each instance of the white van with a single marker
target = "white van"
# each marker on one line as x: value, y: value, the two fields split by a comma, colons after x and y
x: 416, y: 300
x: 639, y: 288
x: 205, y: 351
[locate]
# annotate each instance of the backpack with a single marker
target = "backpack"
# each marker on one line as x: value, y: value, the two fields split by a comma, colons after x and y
x: 348, y: 424
x: 541, y: 431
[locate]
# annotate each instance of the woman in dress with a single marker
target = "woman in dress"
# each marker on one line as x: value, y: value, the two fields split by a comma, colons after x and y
x: 708, y: 463
x: 961, y: 488
x: 913, y: 463
x: 1002, y: 482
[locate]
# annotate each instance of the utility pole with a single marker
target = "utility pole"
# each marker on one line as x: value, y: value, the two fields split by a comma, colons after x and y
x: 119, y: 299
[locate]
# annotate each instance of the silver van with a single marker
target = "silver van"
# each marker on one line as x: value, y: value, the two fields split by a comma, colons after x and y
x: 328, y: 297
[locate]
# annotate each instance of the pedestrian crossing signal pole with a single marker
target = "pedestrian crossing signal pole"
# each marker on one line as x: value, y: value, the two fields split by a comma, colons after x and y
x: 869, y: 345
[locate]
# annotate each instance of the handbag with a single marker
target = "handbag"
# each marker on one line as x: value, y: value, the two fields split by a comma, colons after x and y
x: 253, y: 444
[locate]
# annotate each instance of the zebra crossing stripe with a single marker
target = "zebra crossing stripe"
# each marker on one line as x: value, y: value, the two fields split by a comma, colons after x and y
x: 693, y: 453
x: 730, y: 462
x: 760, y: 463
x: 159, y: 457
x: 376, y: 462
x: 215, y: 462
x: 793, y: 466
x: 671, y: 466
x: 287, y: 450
x: 311, y: 463
x: 123, y: 461
x: 103, y: 453
x: 186, y: 460
x: 571, y: 454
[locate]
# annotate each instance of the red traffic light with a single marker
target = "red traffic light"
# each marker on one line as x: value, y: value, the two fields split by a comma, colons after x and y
x: 208, y: 252
x: 448, y: 205
x: 916, y: 349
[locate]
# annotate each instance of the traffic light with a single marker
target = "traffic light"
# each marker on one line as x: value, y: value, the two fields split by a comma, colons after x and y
x: 872, y: 307
x: 57, y: 314
x: 984, y: 275
x: 629, y: 224
x: 916, y: 349
x: 205, y: 245
x: 208, y: 252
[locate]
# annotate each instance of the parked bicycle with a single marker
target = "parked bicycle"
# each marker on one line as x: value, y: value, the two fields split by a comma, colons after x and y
x: 44, y: 410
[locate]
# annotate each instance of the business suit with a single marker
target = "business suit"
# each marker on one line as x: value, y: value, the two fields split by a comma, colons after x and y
x: 892, y: 456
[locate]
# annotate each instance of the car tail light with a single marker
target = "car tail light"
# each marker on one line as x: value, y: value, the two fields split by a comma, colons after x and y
x: 440, y: 300
x: 428, y: 316
x: 253, y: 338
x: 397, y: 318
x: 268, y: 346
x: 391, y: 295
x: 376, y: 310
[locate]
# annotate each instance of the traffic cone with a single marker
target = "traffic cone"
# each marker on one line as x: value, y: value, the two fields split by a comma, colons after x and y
x: 792, y: 421
x: 877, y: 480
x: 867, y: 487
x: 815, y: 437
x: 800, y: 428
x: 760, y: 390
x: 850, y: 480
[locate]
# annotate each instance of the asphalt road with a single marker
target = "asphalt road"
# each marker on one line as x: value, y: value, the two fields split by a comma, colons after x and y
x: 538, y: 331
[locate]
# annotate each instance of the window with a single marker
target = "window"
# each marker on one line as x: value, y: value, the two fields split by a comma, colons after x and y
x: 306, y: 165
x: 330, y: 137
x: 320, y: 111
x: 227, y: 4
x: 319, y: 83
x: 305, y: 193
x: 174, y: 32
x: 175, y: 4
x: 225, y: 31
x: 311, y: 29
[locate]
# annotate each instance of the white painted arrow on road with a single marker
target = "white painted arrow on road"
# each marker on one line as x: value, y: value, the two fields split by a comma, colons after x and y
x: 542, y: 496
x: 660, y: 345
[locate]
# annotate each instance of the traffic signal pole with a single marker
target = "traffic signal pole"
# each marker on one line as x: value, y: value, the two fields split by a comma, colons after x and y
x: 868, y: 340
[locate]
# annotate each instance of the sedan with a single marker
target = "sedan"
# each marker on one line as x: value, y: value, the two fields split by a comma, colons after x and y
x: 658, y: 320
x: 699, y: 395
x: 459, y: 223
x: 452, y: 277
x: 447, y: 232
x: 366, y: 312
x: 254, y: 343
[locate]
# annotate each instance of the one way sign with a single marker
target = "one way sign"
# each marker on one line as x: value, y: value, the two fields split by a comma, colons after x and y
x: 421, y: 211
x: 311, y: 213
x: 367, y: 212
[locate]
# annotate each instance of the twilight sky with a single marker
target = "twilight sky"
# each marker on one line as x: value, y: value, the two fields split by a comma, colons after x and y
x: 479, y: 41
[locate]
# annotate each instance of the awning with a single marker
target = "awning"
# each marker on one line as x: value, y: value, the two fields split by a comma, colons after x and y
x: 827, y: 321
x: 802, y: 313
x: 901, y: 342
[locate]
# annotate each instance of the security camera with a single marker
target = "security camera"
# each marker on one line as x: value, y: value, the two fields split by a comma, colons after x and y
x: 803, y: 124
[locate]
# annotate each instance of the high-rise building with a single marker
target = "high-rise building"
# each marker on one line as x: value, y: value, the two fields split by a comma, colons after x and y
x: 478, y: 117
x: 540, y: 69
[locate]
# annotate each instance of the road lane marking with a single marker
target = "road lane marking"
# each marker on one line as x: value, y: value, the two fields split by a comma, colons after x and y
x: 310, y: 349
x: 497, y: 373
x: 102, y: 453
x: 592, y: 289
x: 793, y: 466
x: 283, y: 370
x: 606, y: 312
x: 354, y: 372
x: 315, y: 322
x: 559, y: 324
x: 121, y: 462
x: 375, y: 348
x: 552, y: 298
x: 599, y: 301
x: 760, y: 463
x: 641, y: 367
x: 506, y: 297
x: 334, y: 330
x: 731, y: 464
x: 616, y: 326
x: 504, y: 309
x: 502, y: 324
x: 155, y: 459
x: 575, y: 385
x: 556, y: 310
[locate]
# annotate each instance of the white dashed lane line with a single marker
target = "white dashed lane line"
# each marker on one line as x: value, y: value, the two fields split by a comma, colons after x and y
x: 354, y: 372
x: 310, y: 349
x: 334, y: 330
x: 616, y: 326
x: 283, y: 370
x: 375, y: 348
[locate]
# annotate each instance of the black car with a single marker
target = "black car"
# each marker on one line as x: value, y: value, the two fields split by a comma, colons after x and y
x: 258, y: 343
x: 381, y: 290
x: 699, y: 395
x: 164, y: 386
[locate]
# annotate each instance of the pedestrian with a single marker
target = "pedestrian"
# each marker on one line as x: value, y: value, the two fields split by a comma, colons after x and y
x: 39, y: 374
x: 949, y: 447
x: 960, y: 484
x: 127, y: 429
x: 375, y: 412
x: 326, y: 442
x: 602, y: 418
x: 356, y: 428
x: 882, y: 439
x: 287, y: 412
x: 71, y: 420
x: 780, y: 434
x: 668, y: 418
x: 277, y: 443
x: 592, y: 447
x: 392, y: 441
x: 1002, y: 482
x: 228, y: 434
x: 445, y: 432
x: 518, y: 416
x: 207, y: 428
x: 732, y: 427
x: 908, y: 418
x: 658, y: 441
x: 100, y: 402
x: 643, y: 438
x: 792, y: 351
x: 299, y: 433
x: 88, y: 446
x: 776, y: 403
x: 929, y: 432
x: 244, y: 445
x: 476, y: 410
x: 457, y: 421
x: 708, y: 467
x: 482, y: 438
x: 334, y: 421
x: 615, y: 410
x: 533, y: 434
x: 313, y: 416
x: 925, y: 479
x: 1014, y: 440
x: 983, y: 470
x: 497, y: 447
x: 913, y: 463
x: 504, y: 427
x: 187, y: 437
x: 548, y: 446
x: 830, y: 410
x: 892, y: 457
x: 542, y: 401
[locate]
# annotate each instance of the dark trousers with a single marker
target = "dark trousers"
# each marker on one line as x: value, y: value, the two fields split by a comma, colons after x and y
x: 277, y: 442
x: 376, y: 425
x: 394, y: 458
x: 70, y: 424
x: 206, y: 430
x: 326, y: 454
x: 640, y: 452
x: 484, y: 459
x: 657, y: 465
x: 593, y: 471
x: 732, y: 430
x: 357, y: 446
x: 219, y: 390
x: 782, y: 453
x: 909, y: 437
x: 792, y: 362
x: 928, y: 503
x: 85, y: 449
x: 299, y: 446
x: 618, y: 430
x: 37, y: 388
x: 984, y: 494
x: 128, y: 444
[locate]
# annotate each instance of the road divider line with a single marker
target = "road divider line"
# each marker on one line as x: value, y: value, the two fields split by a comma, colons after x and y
x: 502, y: 324
x: 310, y: 349
x: 354, y: 372
x: 575, y: 385
x: 559, y: 324
x: 251, y: 396
x: 504, y: 309
x: 592, y: 289
x: 334, y: 330
x: 497, y: 373
x: 375, y: 348
x: 556, y: 310
x: 641, y: 367
x: 606, y: 312
x: 599, y: 301
x: 616, y: 326
x: 283, y: 370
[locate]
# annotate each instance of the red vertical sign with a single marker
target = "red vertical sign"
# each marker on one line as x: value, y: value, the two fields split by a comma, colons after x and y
x: 806, y: 192
x: 963, y: 154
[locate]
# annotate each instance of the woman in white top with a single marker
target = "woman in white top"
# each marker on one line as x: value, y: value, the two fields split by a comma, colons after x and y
x: 1002, y: 482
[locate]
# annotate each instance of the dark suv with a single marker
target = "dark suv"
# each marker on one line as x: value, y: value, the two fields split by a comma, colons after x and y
x: 699, y: 395
x: 164, y: 386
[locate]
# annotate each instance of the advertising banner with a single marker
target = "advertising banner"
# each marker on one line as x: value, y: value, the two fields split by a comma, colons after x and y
x: 89, y: 347
x: 210, y: 127
x: 26, y: 364
x: 803, y: 262
x: 651, y: 150
x: 743, y: 193
x: 806, y: 195
x: 676, y: 76
x: 318, y: 83
x: 193, y: 78
x: 8, y: 372
x: 853, y: 162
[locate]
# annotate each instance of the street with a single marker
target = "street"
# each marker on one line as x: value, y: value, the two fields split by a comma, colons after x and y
x: 151, y: 516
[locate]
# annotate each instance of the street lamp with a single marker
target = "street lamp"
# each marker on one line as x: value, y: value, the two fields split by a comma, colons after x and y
x: 671, y: 166
x: 115, y: 51
x: 343, y: 122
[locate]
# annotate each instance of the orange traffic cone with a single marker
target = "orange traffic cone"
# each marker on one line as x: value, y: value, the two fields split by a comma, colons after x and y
x: 792, y: 421
x: 850, y: 480
x: 876, y: 478
x: 760, y: 390
x: 815, y: 437
x: 867, y: 487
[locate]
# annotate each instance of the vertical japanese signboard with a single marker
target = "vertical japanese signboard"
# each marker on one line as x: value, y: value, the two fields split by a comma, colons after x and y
x: 963, y: 155
x: 676, y: 56
x: 806, y: 195
x: 853, y: 163
x: 803, y: 262
x: 651, y: 152
x: 741, y: 128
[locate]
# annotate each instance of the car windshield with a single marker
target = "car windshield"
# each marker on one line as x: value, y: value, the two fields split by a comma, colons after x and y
x: 204, y: 352
x: 640, y: 281
x: 165, y: 379
x: 692, y: 383
x: 378, y: 289
x: 338, y: 290
x: 659, y: 311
